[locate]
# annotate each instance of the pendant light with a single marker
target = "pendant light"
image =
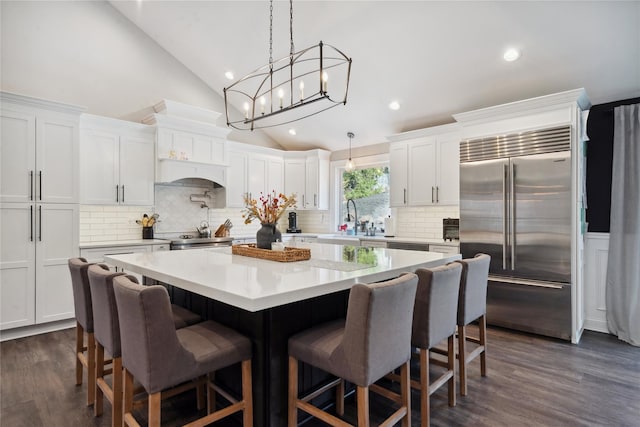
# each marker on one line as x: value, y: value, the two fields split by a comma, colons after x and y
x: 349, y: 167
x: 299, y: 85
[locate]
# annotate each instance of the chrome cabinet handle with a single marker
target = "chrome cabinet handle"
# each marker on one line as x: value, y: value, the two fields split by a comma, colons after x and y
x: 123, y: 194
x: 40, y: 223
x: 314, y: 200
x: 437, y: 194
x: 405, y: 195
x: 40, y: 177
x: 432, y: 199
x: 30, y: 185
x: 303, y: 203
x: 117, y: 194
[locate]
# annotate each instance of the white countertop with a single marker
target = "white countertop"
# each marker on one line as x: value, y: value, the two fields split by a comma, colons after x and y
x: 114, y: 243
x: 256, y: 284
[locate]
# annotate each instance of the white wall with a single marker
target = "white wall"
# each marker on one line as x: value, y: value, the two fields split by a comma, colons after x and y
x: 87, y: 53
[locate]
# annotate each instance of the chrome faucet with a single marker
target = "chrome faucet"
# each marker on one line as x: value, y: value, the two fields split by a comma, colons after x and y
x: 355, y: 217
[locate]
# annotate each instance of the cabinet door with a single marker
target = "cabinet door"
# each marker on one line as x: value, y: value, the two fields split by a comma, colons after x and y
x: 398, y: 175
x: 100, y: 168
x: 294, y: 180
x: 275, y: 175
x: 56, y: 241
x: 448, y: 170
x: 236, y: 186
x: 257, y: 176
x: 137, y: 176
x: 311, y: 183
x: 422, y: 173
x: 17, y: 265
x: 17, y: 157
x: 57, y: 160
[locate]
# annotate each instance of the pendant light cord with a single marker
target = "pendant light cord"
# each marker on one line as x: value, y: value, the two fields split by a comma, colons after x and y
x: 291, y: 26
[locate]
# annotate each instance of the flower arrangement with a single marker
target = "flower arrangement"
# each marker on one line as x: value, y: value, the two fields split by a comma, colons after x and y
x: 267, y: 209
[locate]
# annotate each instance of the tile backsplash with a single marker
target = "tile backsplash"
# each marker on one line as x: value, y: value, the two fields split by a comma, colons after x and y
x: 179, y: 215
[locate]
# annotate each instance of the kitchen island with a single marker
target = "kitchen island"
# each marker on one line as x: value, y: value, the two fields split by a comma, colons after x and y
x: 269, y: 301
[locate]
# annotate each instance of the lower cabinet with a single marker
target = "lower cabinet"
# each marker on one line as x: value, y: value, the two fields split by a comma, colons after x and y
x: 36, y: 242
x: 98, y: 254
x: 444, y: 249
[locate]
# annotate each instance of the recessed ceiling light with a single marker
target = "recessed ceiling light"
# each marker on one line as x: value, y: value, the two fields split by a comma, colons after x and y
x: 511, y: 54
x: 292, y: 131
x: 394, y: 105
x: 229, y: 75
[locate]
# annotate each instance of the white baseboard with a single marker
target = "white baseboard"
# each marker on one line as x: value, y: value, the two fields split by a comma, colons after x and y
x: 596, y: 325
x: 27, y: 331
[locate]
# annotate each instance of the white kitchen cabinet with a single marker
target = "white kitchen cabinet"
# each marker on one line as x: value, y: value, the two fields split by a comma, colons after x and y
x: 444, y: 249
x: 39, y: 151
x: 252, y: 174
x: 118, y: 160
x: 424, y: 167
x: 98, y: 254
x: 191, y: 146
x: 36, y: 241
x: 307, y: 175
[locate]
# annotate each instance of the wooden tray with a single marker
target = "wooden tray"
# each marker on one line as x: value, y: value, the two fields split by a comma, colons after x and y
x: 288, y: 255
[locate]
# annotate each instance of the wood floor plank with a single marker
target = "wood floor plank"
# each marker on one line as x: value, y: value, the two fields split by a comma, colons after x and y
x: 532, y: 381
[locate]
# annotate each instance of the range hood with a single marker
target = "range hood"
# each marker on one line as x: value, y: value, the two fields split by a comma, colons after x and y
x: 170, y: 170
x: 189, y: 143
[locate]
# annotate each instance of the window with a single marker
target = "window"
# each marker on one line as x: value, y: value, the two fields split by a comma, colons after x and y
x: 369, y: 189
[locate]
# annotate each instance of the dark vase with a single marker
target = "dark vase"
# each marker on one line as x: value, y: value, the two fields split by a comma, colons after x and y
x: 268, y: 234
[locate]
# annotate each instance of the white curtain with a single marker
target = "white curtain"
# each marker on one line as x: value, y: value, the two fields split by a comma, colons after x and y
x: 623, y: 271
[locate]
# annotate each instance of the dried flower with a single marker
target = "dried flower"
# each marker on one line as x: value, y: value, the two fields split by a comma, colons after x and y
x: 267, y: 209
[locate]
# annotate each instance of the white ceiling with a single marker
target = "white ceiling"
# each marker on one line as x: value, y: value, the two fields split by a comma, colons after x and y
x: 435, y: 58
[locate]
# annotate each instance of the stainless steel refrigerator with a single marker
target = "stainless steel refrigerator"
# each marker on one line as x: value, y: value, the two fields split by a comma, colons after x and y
x: 515, y: 205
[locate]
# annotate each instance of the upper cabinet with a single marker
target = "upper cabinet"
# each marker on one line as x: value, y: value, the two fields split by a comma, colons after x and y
x: 306, y: 174
x: 252, y: 171
x: 424, y: 167
x: 39, y: 151
x: 118, y: 160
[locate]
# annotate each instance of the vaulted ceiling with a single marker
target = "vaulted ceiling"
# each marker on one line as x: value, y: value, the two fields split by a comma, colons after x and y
x: 434, y: 58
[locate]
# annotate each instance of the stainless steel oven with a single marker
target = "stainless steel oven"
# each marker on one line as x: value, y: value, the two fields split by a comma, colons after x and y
x: 190, y: 242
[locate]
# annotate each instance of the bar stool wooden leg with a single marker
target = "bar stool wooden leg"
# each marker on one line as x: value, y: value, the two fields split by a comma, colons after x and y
x: 154, y: 409
x: 340, y: 398
x: 363, y: 406
x: 462, y: 363
x: 425, y: 410
x: 405, y: 393
x: 91, y: 369
x: 247, y: 419
x: 118, y: 394
x: 128, y: 399
x: 79, y: 350
x: 451, y: 366
x: 200, y: 392
x: 99, y: 399
x: 211, y: 393
x: 293, y: 391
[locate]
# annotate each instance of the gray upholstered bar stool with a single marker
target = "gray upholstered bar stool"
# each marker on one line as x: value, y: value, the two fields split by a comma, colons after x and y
x: 85, y: 354
x: 107, y: 336
x: 434, y: 320
x: 374, y: 340
x: 160, y: 357
x: 472, y: 305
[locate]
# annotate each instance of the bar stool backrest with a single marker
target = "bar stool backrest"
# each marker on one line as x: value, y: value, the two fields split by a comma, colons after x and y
x: 377, y: 333
x: 472, y: 302
x: 435, y: 312
x: 105, y: 311
x: 81, y: 292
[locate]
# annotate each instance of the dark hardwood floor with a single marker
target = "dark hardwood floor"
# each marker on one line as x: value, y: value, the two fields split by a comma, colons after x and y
x: 532, y: 381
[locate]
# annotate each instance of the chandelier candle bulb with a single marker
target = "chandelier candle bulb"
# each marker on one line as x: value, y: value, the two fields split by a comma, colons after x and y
x: 246, y: 110
x: 325, y: 77
x: 263, y: 101
x: 301, y: 91
x: 281, y: 96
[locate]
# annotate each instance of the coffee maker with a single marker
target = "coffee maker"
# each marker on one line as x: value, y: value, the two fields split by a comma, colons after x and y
x: 293, y: 223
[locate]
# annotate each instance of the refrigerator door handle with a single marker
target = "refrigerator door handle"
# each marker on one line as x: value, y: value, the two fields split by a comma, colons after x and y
x: 505, y: 232
x: 527, y: 282
x: 512, y: 215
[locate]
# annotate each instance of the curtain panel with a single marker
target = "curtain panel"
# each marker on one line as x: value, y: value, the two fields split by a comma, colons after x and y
x: 623, y: 270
